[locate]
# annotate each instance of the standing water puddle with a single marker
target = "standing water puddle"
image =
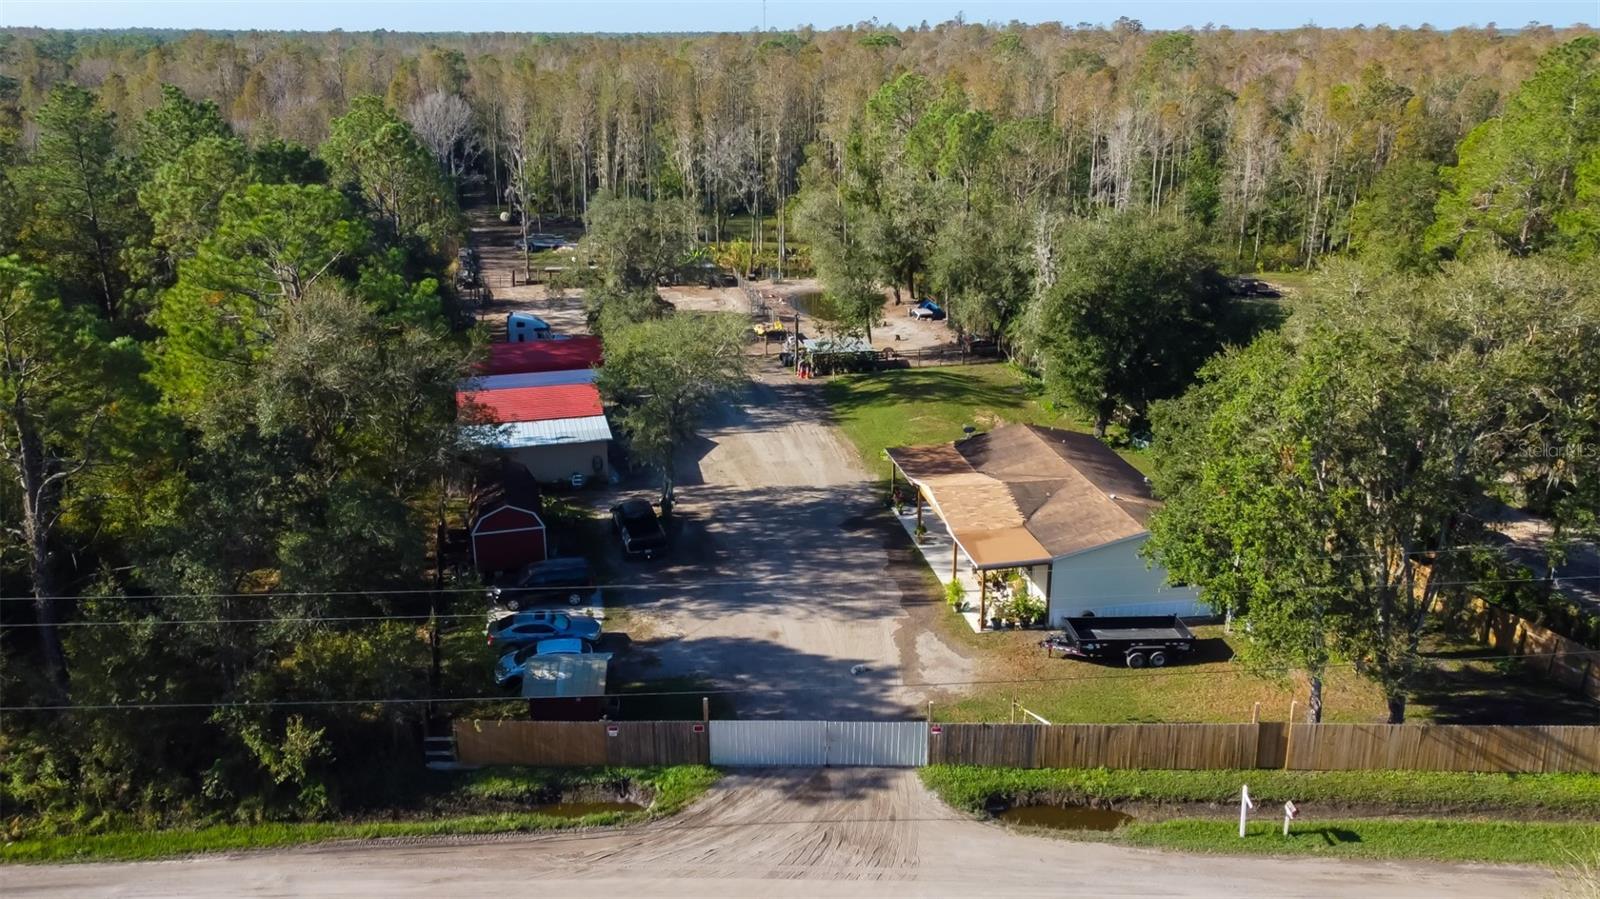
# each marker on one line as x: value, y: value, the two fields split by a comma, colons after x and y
x: 580, y: 809
x: 1055, y: 817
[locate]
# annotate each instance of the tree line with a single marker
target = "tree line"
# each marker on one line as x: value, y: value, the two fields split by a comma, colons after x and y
x: 1271, y: 139
x: 227, y: 372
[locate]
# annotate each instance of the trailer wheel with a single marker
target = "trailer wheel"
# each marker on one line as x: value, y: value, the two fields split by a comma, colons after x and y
x: 1136, y: 660
x: 1158, y: 659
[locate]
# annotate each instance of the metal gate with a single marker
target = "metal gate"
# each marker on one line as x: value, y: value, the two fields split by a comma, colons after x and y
x: 888, y: 744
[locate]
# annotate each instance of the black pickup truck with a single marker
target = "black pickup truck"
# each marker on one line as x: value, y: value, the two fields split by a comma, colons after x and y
x: 1153, y: 640
x: 637, y: 526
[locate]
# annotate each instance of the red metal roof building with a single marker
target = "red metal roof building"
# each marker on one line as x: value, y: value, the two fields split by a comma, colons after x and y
x: 555, y: 354
x: 557, y: 431
x: 514, y: 404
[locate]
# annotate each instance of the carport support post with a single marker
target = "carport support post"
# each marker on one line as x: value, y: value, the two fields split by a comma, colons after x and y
x: 983, y: 598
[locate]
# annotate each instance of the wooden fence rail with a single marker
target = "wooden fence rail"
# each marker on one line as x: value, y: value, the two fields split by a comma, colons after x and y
x: 1307, y: 747
x: 580, y: 743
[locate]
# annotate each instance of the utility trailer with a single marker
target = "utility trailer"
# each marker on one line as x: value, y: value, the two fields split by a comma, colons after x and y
x: 1138, y: 640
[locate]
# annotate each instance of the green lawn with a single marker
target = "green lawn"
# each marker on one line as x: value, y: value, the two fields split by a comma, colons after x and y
x: 1431, y: 794
x: 682, y: 705
x: 673, y: 788
x: 968, y: 787
x: 1506, y: 842
x: 1296, y: 280
x: 1206, y: 688
x: 912, y: 406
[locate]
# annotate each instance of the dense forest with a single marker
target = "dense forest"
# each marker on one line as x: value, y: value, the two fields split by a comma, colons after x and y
x: 229, y: 342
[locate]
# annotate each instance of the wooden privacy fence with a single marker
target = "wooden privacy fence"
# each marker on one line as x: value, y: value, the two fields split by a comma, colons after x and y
x: 1565, y: 661
x: 1443, y: 747
x: 1306, y: 747
x: 1096, y: 745
x: 581, y: 743
x: 1269, y: 744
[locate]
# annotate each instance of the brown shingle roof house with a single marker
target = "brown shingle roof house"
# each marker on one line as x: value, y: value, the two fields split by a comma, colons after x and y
x: 1060, y: 505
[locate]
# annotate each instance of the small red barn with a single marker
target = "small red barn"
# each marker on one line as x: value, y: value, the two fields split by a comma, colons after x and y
x: 506, y: 531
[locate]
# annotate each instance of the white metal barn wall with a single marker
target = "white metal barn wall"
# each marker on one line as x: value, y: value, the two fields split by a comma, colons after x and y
x: 819, y: 743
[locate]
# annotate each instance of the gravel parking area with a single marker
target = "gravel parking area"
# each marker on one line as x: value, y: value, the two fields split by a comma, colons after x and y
x: 788, y: 581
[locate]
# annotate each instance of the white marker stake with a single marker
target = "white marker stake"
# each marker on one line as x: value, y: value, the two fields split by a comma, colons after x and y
x: 1245, y: 805
x: 1289, y: 813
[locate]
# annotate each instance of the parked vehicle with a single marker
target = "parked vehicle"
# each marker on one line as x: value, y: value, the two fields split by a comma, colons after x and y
x: 637, y: 526
x: 1138, y: 640
x: 567, y: 646
x: 537, y: 242
x: 568, y: 579
x: 523, y: 628
x: 509, y: 669
x: 927, y: 310
x: 513, y: 665
x: 979, y: 346
x: 1254, y: 287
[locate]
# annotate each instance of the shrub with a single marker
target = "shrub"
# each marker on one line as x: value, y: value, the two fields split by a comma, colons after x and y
x: 955, y: 595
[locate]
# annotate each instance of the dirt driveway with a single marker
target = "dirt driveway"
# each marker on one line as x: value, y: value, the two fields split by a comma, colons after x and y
x: 787, y: 573
x: 835, y: 832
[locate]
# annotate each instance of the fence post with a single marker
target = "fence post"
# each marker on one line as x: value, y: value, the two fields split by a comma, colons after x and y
x: 1288, y: 734
x: 705, y: 710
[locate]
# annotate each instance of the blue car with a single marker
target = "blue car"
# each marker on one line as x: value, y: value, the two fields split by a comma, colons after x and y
x: 527, y: 628
x: 513, y: 665
x: 927, y: 310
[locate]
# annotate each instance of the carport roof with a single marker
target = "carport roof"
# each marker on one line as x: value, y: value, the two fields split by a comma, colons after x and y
x: 1025, y: 495
x: 565, y: 676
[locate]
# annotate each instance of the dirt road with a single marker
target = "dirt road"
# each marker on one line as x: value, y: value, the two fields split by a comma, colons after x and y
x: 788, y: 573
x: 823, y: 832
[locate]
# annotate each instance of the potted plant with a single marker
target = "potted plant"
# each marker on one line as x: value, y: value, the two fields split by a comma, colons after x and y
x: 955, y: 595
x: 1002, y: 612
x: 1018, y: 584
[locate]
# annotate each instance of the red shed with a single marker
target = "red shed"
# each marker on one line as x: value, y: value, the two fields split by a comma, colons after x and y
x: 507, y: 532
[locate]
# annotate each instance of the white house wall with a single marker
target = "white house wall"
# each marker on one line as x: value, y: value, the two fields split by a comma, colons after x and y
x: 549, y: 464
x: 1116, y: 580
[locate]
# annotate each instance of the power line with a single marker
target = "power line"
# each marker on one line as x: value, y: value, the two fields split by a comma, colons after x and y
x: 293, y: 703
x: 404, y: 617
x: 166, y: 622
x: 424, y: 591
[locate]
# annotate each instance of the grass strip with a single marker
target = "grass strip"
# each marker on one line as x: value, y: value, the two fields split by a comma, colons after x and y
x: 1507, y: 842
x: 674, y: 787
x: 969, y: 787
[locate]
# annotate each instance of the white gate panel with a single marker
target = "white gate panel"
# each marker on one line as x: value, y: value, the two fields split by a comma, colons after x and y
x: 878, y: 744
x: 763, y: 743
x: 819, y: 743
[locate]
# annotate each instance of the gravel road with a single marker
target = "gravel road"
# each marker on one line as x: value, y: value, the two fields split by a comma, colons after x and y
x: 788, y: 573
x: 823, y: 832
